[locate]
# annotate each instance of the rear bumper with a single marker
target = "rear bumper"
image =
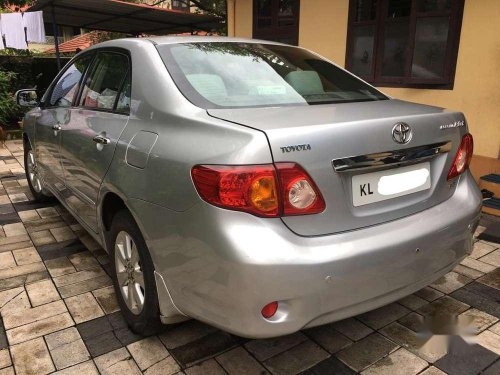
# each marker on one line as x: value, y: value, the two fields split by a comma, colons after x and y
x: 222, y: 267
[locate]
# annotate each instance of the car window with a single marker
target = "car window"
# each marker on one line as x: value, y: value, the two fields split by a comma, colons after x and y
x: 64, y: 90
x: 231, y: 75
x: 105, y: 80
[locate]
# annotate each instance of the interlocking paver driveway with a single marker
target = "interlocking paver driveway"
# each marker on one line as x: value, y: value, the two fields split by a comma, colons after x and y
x: 59, y: 312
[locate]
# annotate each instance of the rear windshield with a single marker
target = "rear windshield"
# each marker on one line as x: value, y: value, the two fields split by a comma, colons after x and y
x: 229, y: 75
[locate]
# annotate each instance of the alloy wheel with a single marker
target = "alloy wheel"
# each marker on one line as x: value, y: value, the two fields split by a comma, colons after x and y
x: 129, y: 272
x: 33, y: 174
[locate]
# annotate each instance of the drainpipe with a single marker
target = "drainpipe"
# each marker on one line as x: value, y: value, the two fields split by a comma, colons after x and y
x: 56, y: 38
x: 231, y: 20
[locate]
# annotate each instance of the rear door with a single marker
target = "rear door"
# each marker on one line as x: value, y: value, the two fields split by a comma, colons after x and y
x: 88, y: 143
x: 54, y: 116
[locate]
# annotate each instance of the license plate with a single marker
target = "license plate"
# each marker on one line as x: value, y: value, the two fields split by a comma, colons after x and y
x: 379, y: 186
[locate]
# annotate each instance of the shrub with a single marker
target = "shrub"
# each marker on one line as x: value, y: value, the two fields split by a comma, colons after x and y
x: 10, y: 112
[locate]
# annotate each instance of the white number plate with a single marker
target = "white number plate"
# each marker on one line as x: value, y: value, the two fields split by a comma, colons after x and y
x: 378, y: 186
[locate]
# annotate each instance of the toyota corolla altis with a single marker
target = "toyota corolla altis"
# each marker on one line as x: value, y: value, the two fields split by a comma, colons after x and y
x: 252, y: 185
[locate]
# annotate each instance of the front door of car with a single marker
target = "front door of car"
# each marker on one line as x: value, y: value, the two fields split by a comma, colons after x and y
x: 55, y: 114
x: 88, y: 143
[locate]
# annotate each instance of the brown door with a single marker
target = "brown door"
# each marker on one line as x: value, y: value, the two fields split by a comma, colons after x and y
x: 276, y: 20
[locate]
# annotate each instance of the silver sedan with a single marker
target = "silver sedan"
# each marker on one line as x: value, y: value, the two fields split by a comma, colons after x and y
x: 255, y: 186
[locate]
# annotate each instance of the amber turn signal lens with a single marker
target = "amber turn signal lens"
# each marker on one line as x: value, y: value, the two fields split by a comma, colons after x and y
x: 263, y: 193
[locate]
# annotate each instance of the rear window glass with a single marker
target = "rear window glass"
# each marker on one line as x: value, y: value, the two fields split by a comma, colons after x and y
x: 228, y: 75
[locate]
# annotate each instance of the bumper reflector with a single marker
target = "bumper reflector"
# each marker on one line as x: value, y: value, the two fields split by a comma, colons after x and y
x: 269, y: 310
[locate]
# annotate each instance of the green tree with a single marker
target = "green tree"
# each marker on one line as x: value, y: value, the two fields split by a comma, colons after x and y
x: 18, y: 3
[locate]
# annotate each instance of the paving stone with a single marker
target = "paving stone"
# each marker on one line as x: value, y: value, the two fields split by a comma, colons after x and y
x: 492, y: 279
x: 412, y: 302
x: 478, y: 319
x: 107, y: 299
x: 83, y: 307
x: 352, y: 328
x: 21, y: 270
x: 7, y: 260
x: 117, y: 362
x: 366, y: 351
x: 167, y: 366
x: 469, y: 272
x: 383, y: 316
x: 101, y: 344
x: 5, y: 358
x: 63, y: 234
x: 22, y: 280
x: 85, y: 368
x: 29, y: 215
x: 399, y: 362
x: 48, y: 224
x: 464, y: 359
x: 413, y: 321
x: 126, y: 336
x: 60, y: 338
x: 3, y: 337
x: 492, y: 258
x: 78, y: 277
x: 451, y: 282
x: 239, y: 361
x: 47, y: 212
x: 59, y: 266
x: 207, y: 346
x: 67, y: 348
x: 444, y: 305
x: 9, y: 294
x: 85, y: 286
x: 408, y: 339
x: 32, y: 357
x: 18, y: 303
x: 83, y: 260
x: 330, y: 366
x: 494, y: 369
x: 42, y: 292
x: 266, y: 348
x: 481, y: 297
x: 15, y: 229
x: 147, y: 352
x: 477, y: 265
x: 433, y: 371
x: 14, y: 245
x: 15, y: 198
x: 209, y: 367
x: 60, y: 249
x: 180, y: 335
x: 93, y: 328
x: 89, y: 242
x: 495, y: 328
x: 490, y: 341
x: 480, y: 249
x: 26, y: 256
x: 26, y: 316
x: 39, y: 328
x: 297, y: 359
x: 42, y: 237
x: 328, y: 338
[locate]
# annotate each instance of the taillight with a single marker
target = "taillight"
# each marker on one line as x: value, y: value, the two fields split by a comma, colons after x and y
x: 262, y: 190
x: 463, y: 157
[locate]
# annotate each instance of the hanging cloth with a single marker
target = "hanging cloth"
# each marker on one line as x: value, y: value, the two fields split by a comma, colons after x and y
x: 1, y: 37
x: 35, y: 29
x: 12, y: 27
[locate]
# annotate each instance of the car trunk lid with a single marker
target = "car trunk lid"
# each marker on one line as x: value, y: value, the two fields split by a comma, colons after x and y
x: 352, y: 135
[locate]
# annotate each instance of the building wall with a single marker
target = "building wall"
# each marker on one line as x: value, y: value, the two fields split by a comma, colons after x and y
x: 323, y: 29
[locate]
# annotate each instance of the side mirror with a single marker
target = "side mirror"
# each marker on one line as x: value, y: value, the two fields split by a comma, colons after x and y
x: 27, y: 98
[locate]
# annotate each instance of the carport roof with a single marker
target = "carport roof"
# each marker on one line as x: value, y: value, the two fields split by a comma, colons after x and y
x: 120, y: 16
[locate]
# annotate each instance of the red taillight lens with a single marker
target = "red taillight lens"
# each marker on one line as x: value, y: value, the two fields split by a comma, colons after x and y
x: 269, y: 310
x: 463, y: 157
x: 263, y: 190
x: 300, y: 195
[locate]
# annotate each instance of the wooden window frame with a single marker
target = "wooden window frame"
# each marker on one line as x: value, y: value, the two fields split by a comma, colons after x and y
x: 269, y: 33
x: 380, y: 21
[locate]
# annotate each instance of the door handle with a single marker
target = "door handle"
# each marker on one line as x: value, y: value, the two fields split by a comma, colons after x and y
x: 100, y: 139
x: 56, y: 127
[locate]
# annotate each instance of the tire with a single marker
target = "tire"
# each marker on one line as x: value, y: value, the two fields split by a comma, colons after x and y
x: 34, y: 181
x: 143, y: 319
